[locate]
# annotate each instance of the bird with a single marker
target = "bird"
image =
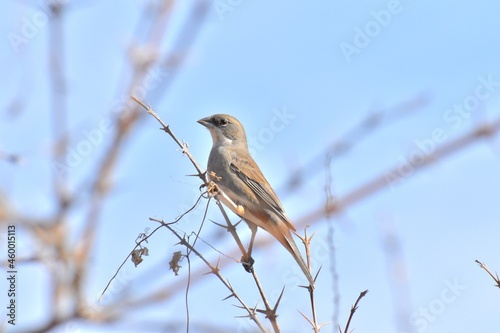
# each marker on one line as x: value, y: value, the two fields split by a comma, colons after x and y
x: 247, y: 192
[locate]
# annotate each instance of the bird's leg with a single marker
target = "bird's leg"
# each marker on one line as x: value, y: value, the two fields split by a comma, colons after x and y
x: 253, y: 229
x: 247, y: 261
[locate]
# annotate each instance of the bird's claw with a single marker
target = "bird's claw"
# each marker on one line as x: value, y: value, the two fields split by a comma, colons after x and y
x: 247, y: 264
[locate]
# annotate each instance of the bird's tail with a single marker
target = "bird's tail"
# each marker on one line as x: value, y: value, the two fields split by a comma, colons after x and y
x: 290, y: 245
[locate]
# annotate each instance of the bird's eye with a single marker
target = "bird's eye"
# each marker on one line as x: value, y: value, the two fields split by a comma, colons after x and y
x: 224, y: 122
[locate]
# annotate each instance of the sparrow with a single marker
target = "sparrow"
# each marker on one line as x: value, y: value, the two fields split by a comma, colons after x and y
x: 247, y: 192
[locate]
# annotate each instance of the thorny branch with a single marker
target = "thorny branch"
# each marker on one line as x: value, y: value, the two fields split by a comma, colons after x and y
x: 214, y: 270
x: 306, y: 240
x: 493, y: 276
x: 183, y: 146
x: 144, y: 238
x: 353, y: 310
x: 354, y: 136
x: 392, y: 177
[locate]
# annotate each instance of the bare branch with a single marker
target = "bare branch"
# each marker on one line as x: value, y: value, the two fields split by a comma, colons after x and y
x: 493, y: 276
x: 353, y: 310
x: 181, y: 145
x: 144, y: 238
x: 384, y: 181
x: 372, y: 122
x: 216, y: 271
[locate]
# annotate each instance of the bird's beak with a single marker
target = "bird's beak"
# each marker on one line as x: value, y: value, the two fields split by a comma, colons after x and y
x: 206, y: 122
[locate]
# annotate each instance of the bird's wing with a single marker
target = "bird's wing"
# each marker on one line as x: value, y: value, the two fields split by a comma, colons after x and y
x: 252, y: 176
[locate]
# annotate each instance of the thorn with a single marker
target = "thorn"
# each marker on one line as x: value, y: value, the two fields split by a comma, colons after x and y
x: 316, y: 327
x: 261, y: 311
x: 213, y: 270
x: 250, y: 315
x: 245, y: 316
x: 219, y: 224
x: 279, y: 300
x: 216, y: 269
x: 324, y: 324
x: 317, y: 274
x: 305, y: 317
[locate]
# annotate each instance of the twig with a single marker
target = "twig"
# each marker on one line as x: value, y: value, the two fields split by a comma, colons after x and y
x: 329, y: 200
x: 145, y: 239
x: 354, y: 136
x: 397, y: 273
x: 188, y: 285
x: 353, y: 309
x: 306, y: 240
x: 382, y: 182
x: 216, y: 271
x: 167, y: 129
x: 269, y: 312
x: 197, y: 235
x: 59, y: 118
x: 231, y: 228
x: 494, y: 277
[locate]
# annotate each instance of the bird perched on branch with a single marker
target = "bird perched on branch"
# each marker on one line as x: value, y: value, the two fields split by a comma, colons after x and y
x: 248, y: 193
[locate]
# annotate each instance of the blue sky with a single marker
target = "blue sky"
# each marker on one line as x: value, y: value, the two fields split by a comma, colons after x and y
x: 260, y: 61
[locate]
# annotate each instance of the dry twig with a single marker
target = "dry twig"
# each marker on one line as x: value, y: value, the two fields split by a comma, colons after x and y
x: 306, y: 240
x: 214, y: 270
x: 353, y: 310
x: 493, y: 276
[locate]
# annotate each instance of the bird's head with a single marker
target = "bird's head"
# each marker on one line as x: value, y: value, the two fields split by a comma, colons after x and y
x: 225, y: 129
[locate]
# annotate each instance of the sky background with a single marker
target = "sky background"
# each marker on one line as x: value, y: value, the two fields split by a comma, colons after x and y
x: 299, y: 76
